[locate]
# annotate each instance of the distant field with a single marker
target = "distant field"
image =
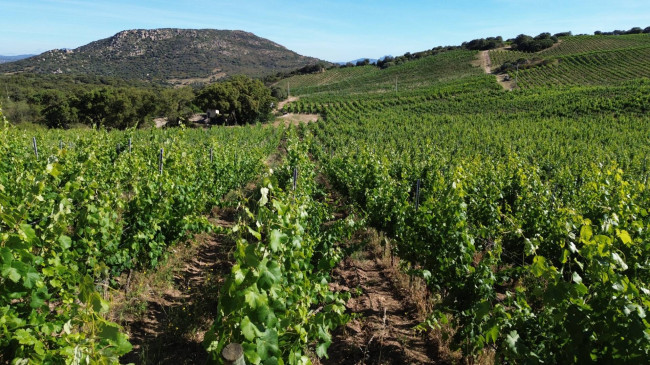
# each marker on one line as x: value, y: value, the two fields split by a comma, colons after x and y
x: 577, y: 60
x: 582, y: 44
x: 575, y: 45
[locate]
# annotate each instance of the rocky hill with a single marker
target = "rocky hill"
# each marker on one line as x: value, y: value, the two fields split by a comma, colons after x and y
x: 178, y: 56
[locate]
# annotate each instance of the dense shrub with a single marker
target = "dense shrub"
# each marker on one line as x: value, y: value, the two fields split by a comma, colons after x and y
x: 526, y: 43
x: 634, y: 30
x: 483, y: 44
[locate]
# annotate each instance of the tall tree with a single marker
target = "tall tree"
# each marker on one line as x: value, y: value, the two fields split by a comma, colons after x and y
x: 246, y: 99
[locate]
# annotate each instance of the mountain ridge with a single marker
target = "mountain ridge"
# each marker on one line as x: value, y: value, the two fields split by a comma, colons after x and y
x: 5, y: 59
x: 173, y: 55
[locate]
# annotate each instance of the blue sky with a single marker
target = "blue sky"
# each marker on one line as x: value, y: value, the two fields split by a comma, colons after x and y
x: 334, y: 30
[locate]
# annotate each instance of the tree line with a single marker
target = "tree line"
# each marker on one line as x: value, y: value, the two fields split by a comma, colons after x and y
x: 633, y: 30
x: 69, y: 101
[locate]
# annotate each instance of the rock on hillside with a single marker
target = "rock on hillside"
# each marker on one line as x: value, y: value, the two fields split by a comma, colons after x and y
x: 179, y: 56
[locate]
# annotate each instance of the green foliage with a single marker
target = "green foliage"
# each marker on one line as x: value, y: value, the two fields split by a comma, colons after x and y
x: 58, y: 113
x: 633, y: 30
x: 321, y: 66
x: 527, y: 43
x: 3, y: 120
x: 241, y: 98
x: 89, y: 208
x: 531, y: 226
x: 483, y: 44
x: 579, y: 60
x: 61, y: 102
x: 279, y: 93
x: 276, y: 301
x: 428, y: 71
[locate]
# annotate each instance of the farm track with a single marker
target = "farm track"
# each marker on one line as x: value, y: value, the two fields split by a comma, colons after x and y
x: 293, y: 118
x: 286, y: 101
x: 384, y: 313
x: 486, y: 65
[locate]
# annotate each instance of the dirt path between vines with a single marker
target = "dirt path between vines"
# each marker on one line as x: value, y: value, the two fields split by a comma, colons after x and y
x: 287, y: 101
x: 178, y: 301
x: 167, y: 312
x: 383, y: 332
x: 486, y: 65
x: 293, y: 118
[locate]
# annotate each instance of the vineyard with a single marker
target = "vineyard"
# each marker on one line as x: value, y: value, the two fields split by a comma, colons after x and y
x: 80, y: 207
x: 580, y: 60
x: 445, y: 67
x: 524, y: 213
x: 519, y: 224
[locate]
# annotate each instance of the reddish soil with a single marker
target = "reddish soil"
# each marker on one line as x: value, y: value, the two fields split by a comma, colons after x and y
x: 386, y: 314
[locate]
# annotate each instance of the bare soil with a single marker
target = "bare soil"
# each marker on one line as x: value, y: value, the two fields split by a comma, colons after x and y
x: 385, y: 315
x: 287, y: 101
x: 486, y: 65
x: 292, y: 118
x: 160, y: 122
x: 178, y: 302
x: 295, y: 119
x: 167, y: 312
x: 506, y: 84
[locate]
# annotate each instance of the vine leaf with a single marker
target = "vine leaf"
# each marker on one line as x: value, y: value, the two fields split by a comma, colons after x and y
x: 511, y: 340
x: 248, y: 329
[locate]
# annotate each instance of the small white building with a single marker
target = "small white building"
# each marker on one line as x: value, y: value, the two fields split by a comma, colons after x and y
x: 212, y: 113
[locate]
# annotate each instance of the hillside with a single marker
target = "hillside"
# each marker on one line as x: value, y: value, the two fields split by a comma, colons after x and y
x: 575, y: 61
x: 178, y: 56
x: 581, y: 60
x: 424, y: 72
x: 491, y: 197
x: 427, y: 215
